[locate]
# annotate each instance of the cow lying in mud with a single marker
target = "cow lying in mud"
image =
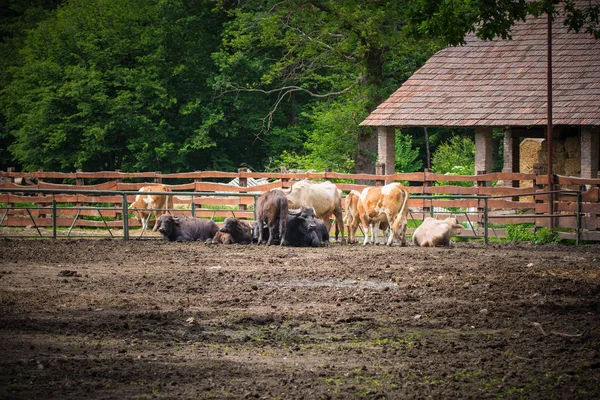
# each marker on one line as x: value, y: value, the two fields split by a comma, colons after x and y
x: 433, y: 232
x: 233, y: 231
x: 304, y: 230
x: 182, y: 228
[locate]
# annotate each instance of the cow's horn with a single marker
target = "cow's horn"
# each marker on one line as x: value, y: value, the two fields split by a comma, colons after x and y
x: 295, y: 211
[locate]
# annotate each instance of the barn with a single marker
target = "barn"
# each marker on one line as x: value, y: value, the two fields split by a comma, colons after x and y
x: 502, y: 84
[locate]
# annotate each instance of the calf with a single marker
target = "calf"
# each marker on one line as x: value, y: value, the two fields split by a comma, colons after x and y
x: 152, y: 204
x: 271, y: 211
x: 234, y: 231
x: 433, y: 232
x: 181, y: 228
x: 303, y: 229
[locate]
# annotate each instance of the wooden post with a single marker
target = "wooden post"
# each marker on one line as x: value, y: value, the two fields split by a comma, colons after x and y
x: 426, y: 184
x: 41, y: 214
x: 157, y: 179
x: 379, y: 170
x: 243, y: 184
x: 284, y: 181
x: 481, y: 183
x: 193, y: 203
x: 118, y: 210
x: 11, y: 170
x: 79, y: 181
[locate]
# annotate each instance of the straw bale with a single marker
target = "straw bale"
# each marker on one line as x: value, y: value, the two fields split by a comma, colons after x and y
x: 572, y: 166
x: 573, y: 146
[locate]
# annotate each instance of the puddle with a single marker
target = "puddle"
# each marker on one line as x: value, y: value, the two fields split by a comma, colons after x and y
x: 349, y: 283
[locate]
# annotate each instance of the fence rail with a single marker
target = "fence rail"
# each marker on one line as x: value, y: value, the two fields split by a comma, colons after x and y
x: 511, y: 197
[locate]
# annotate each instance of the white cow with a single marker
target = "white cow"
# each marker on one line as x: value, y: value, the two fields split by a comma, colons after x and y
x: 433, y: 232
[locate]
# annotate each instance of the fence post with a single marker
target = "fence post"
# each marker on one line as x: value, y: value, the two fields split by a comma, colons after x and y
x: 243, y: 184
x: 125, y: 218
x: 426, y: 184
x: 485, y: 220
x: 11, y: 170
x: 41, y: 206
x: 579, y: 199
x: 284, y: 180
x: 481, y: 183
x: 54, y: 216
x: 379, y: 170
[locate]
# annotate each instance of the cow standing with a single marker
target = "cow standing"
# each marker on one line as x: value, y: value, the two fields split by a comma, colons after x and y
x: 182, y: 228
x: 303, y: 230
x: 387, y: 204
x: 146, y: 205
x: 325, y: 198
x: 233, y: 231
x: 272, y: 211
x: 352, y: 218
x: 433, y: 232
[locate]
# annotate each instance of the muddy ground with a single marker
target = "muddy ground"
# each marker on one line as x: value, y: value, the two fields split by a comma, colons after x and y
x: 106, y: 319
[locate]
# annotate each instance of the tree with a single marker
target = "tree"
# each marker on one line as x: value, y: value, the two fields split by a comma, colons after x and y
x: 452, y: 20
x: 407, y: 157
x: 455, y: 157
x: 315, y: 61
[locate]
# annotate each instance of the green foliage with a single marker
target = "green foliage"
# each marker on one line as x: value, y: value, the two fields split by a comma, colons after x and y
x: 525, y: 233
x: 406, y: 156
x: 455, y: 157
x: 519, y: 233
x: 546, y: 236
x: 490, y: 19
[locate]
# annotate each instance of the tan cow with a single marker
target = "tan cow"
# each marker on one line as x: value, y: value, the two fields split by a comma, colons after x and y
x: 384, y: 204
x: 433, y: 232
x: 152, y: 204
x: 324, y: 197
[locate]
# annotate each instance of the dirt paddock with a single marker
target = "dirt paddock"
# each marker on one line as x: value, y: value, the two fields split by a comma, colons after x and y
x: 149, y: 319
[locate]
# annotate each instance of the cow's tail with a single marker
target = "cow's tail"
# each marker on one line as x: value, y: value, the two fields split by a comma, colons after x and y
x: 402, y: 214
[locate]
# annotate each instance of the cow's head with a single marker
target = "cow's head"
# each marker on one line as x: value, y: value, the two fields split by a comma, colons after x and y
x: 230, y: 225
x: 307, y: 214
x: 167, y: 224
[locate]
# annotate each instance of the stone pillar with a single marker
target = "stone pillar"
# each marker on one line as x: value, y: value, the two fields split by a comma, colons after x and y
x: 386, y: 140
x: 483, y: 150
x: 511, y: 155
x: 590, y: 150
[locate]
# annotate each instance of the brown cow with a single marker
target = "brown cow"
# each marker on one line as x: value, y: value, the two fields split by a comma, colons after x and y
x: 234, y: 231
x: 433, y: 232
x: 272, y: 212
x: 352, y: 218
x: 384, y: 204
x: 152, y: 204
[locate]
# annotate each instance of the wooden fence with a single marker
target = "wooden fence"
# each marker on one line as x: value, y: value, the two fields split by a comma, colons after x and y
x: 512, y: 197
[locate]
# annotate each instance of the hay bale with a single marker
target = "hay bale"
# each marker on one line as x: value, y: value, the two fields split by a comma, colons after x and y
x: 573, y: 147
x: 531, y: 152
x: 572, y: 167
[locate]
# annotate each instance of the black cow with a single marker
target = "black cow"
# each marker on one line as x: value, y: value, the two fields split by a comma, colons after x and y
x: 182, y: 228
x: 272, y: 210
x: 303, y: 230
x: 234, y: 231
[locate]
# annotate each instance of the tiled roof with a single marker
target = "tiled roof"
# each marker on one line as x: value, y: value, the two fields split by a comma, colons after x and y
x: 501, y: 83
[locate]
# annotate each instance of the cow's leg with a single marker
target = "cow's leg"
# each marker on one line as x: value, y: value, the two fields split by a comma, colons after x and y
x: 260, y: 232
x: 156, y: 217
x: 282, y: 229
x: 339, y: 223
x: 376, y: 232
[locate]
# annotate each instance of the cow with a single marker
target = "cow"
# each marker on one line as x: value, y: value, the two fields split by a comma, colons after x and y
x: 433, y: 232
x: 384, y: 204
x: 271, y: 211
x: 152, y: 204
x: 182, y: 228
x: 303, y: 229
x: 233, y: 231
x: 352, y: 218
x: 324, y: 197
